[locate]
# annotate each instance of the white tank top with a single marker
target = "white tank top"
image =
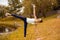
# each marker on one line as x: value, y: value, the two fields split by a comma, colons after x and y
x: 31, y: 20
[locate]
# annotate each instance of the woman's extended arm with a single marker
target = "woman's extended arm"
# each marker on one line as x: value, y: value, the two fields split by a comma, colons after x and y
x: 34, y: 13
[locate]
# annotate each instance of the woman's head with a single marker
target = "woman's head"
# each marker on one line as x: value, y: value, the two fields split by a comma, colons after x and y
x: 38, y: 20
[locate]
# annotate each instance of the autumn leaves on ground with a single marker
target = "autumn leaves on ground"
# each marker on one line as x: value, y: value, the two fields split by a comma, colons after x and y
x: 47, y: 30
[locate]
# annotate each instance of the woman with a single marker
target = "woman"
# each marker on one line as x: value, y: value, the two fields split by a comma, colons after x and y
x: 27, y: 20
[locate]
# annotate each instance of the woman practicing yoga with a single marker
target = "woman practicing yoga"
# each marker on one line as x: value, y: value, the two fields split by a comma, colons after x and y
x: 27, y: 20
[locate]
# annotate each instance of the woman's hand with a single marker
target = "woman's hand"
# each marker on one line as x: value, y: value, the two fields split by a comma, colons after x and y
x: 38, y: 20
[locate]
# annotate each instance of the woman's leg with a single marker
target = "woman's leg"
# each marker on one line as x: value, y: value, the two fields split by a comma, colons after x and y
x: 20, y: 17
x: 25, y: 28
x: 25, y: 22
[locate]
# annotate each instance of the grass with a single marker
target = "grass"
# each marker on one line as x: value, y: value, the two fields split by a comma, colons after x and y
x: 49, y: 29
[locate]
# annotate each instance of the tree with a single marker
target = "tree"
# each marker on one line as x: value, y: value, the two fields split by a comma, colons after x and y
x: 42, y: 6
x: 58, y: 2
x: 2, y: 11
x: 14, y: 5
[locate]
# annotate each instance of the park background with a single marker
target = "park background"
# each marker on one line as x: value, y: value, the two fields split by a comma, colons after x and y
x: 48, y: 10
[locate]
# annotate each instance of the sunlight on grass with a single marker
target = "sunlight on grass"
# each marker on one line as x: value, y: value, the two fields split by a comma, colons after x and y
x: 47, y: 30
